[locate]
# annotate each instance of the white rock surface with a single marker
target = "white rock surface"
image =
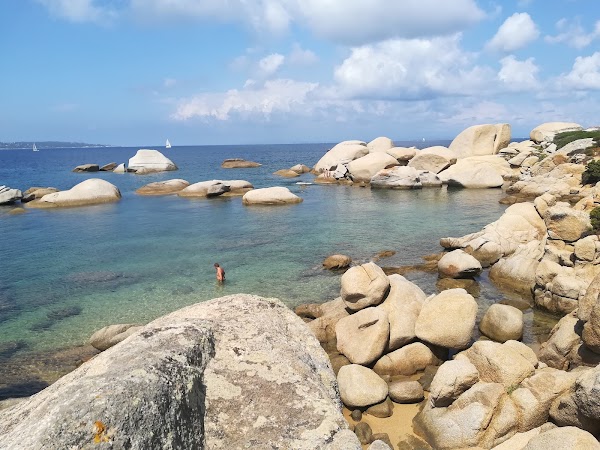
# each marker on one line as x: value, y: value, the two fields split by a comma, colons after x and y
x: 270, y: 196
x: 92, y: 191
x: 458, y: 264
x: 363, y: 336
x: 342, y: 153
x: 399, y: 177
x: 447, y: 319
x: 149, y: 161
x: 362, y: 169
x: 360, y: 386
x: 479, y: 140
x: 365, y: 285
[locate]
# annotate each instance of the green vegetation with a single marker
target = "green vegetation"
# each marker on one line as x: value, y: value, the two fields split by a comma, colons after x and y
x: 512, y: 388
x: 591, y: 174
x: 562, y: 139
x: 595, y: 219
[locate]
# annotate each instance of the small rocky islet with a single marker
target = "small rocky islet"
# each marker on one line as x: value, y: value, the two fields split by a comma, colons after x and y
x: 244, y: 370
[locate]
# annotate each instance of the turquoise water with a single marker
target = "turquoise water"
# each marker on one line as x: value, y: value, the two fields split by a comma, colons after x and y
x: 66, y: 273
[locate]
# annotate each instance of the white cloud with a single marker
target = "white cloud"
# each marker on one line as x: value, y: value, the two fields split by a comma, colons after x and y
x: 518, y: 75
x: 410, y: 69
x: 268, y: 65
x: 80, y: 10
x: 274, y: 96
x: 351, y: 22
x: 585, y: 74
x: 356, y: 22
x: 516, y: 32
x: 573, y: 34
x: 301, y: 57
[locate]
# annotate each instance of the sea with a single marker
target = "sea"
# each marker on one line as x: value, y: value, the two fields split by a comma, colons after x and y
x: 65, y: 273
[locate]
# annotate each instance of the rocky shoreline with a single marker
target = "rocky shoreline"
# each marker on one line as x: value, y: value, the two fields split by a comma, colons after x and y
x: 242, y: 370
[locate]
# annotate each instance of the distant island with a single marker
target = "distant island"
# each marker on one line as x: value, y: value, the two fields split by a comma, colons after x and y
x: 47, y: 145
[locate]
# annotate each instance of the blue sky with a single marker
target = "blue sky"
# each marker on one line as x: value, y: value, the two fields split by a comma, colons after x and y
x: 135, y: 72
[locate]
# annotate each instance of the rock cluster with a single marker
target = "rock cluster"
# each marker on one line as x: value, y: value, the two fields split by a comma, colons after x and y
x: 382, y: 165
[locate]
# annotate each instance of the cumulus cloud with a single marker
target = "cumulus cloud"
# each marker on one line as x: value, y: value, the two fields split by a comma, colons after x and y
x: 348, y: 22
x: 516, y: 32
x: 274, y: 96
x: 518, y: 75
x: 572, y: 33
x: 80, y: 11
x: 585, y: 74
x: 355, y: 22
x: 410, y: 69
x: 268, y: 65
x: 302, y: 57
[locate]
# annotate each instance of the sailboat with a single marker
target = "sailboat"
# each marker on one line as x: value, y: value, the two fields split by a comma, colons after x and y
x: 168, y: 144
x: 35, y: 149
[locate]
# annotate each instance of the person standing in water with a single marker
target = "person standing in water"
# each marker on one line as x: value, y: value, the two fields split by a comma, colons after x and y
x: 220, y: 273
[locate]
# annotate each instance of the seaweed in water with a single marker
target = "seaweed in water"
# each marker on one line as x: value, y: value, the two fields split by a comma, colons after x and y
x: 55, y: 316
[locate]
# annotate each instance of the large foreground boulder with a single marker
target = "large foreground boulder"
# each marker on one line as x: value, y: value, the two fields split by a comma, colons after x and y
x: 233, y: 372
x: 89, y: 192
x: 150, y: 161
x: 277, y: 195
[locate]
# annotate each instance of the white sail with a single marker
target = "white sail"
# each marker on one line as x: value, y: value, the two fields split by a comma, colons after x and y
x: 168, y: 144
x: 35, y: 148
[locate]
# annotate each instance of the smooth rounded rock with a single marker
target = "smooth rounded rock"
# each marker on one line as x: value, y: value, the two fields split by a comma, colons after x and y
x: 270, y: 196
x: 111, y: 335
x: 363, y: 336
x: 451, y: 380
x: 364, y: 168
x: 150, y: 161
x: 406, y: 391
x: 563, y: 438
x: 365, y: 285
x: 458, y: 264
x: 238, y: 163
x: 166, y: 187
x: 360, y: 386
x: 447, y: 319
x: 334, y: 262
x: 89, y: 192
x: 502, y: 323
x: 407, y: 360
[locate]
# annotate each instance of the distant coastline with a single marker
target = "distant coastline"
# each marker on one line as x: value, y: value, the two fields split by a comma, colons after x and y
x: 47, y: 145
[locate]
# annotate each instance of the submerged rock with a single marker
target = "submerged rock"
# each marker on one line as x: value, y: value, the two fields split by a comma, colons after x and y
x: 166, y: 187
x: 238, y: 163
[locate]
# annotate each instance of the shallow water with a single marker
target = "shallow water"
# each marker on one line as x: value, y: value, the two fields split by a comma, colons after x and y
x: 66, y: 273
